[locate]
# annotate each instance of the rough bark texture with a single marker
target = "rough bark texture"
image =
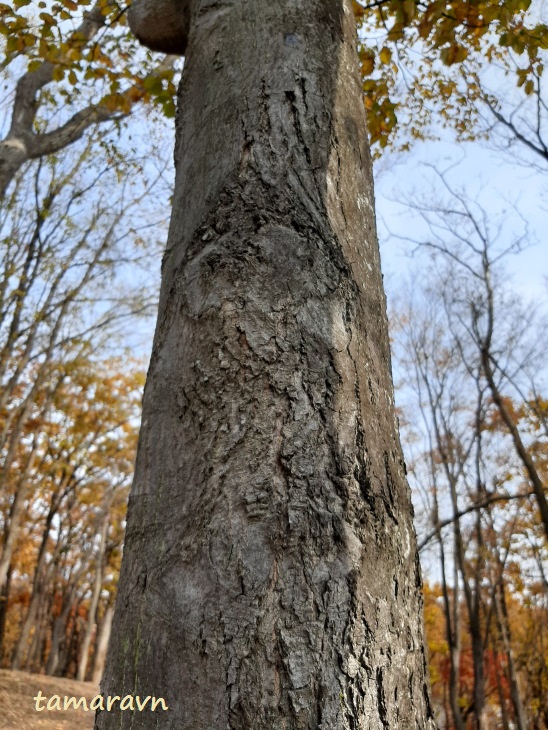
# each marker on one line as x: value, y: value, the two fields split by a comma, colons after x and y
x: 270, y: 576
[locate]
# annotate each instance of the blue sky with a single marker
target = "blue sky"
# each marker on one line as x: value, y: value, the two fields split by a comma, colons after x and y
x: 484, y: 173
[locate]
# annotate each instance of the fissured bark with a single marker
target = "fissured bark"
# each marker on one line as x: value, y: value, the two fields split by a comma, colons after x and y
x: 270, y: 576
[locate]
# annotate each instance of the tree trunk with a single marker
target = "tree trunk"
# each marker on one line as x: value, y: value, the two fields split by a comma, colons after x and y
x: 94, y: 602
x: 39, y: 584
x: 41, y: 627
x: 499, y: 597
x: 11, y: 530
x: 21, y: 651
x: 502, y: 698
x: 523, y: 453
x: 102, y: 645
x: 453, y: 633
x: 270, y: 575
x: 4, y: 600
x: 452, y: 616
x: 59, y: 633
x: 13, y: 155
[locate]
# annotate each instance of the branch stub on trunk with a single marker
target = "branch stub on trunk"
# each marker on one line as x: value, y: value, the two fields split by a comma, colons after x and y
x: 161, y: 25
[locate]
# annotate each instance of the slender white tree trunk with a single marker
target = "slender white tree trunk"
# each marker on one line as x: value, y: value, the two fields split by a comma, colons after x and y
x: 102, y: 645
x: 94, y: 602
x: 270, y: 576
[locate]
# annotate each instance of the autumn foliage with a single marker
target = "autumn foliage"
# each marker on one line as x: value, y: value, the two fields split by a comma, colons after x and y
x: 471, y: 358
x: 81, y: 447
x: 423, y: 60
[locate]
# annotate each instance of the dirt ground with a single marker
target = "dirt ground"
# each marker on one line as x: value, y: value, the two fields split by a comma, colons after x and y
x: 17, y: 708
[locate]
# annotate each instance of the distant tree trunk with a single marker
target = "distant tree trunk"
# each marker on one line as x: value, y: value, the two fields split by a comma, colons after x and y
x: 472, y: 588
x: 68, y: 656
x: 4, y: 598
x: 16, y: 513
x: 101, y: 645
x: 453, y: 636
x: 502, y: 698
x: 270, y: 575
x: 524, y: 455
x: 41, y: 627
x: 94, y: 602
x: 451, y: 611
x: 38, y: 589
x: 58, y: 637
x: 30, y: 622
x: 499, y: 597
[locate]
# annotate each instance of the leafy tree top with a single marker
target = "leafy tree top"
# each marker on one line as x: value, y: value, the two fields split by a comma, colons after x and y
x: 417, y: 57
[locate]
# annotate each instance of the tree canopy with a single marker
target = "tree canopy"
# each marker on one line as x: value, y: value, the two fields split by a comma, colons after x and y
x: 417, y: 58
x: 420, y: 58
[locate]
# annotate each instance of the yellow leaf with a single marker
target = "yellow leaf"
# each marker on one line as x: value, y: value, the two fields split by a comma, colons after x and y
x: 453, y: 54
x: 409, y: 9
x: 48, y: 19
x: 385, y: 55
x: 359, y: 10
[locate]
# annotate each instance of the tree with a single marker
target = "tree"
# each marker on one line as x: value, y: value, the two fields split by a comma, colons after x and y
x: 73, y: 53
x: 466, y: 460
x: 69, y: 228
x: 61, y: 260
x: 270, y: 575
x: 480, y: 502
x: 475, y: 251
x: 425, y: 61
x: 70, y: 524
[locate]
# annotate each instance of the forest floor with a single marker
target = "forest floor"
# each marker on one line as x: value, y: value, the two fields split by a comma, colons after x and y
x: 18, y: 708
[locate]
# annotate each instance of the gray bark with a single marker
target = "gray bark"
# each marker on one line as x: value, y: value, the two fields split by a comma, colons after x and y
x: 161, y: 26
x: 270, y: 575
x: 13, y: 155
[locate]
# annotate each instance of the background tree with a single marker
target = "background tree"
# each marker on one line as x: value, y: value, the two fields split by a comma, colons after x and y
x: 76, y: 279
x: 479, y: 500
x: 424, y: 66
x: 74, y: 53
x: 61, y: 294
x: 70, y: 532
